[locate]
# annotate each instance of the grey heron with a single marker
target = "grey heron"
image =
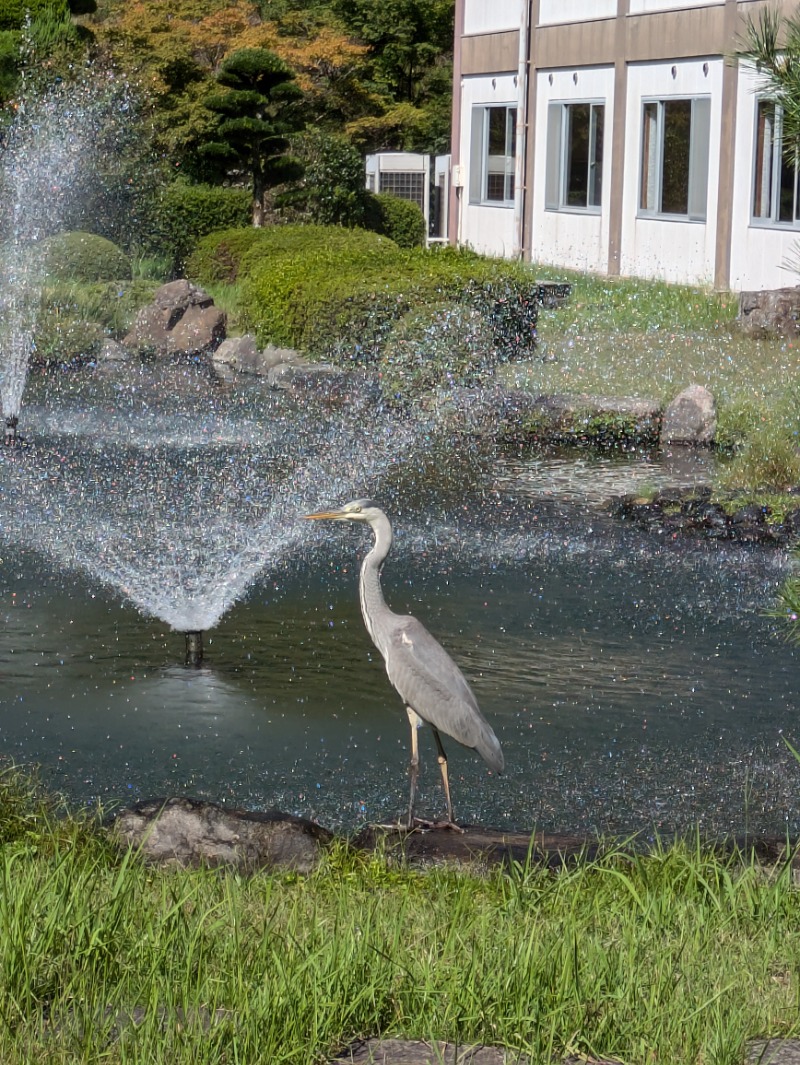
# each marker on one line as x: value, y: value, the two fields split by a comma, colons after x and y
x: 431, y: 685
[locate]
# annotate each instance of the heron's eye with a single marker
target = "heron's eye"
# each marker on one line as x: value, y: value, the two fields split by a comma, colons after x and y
x: 356, y: 509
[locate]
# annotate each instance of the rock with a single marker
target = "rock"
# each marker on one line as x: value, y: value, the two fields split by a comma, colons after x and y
x: 180, y: 831
x: 323, y: 383
x: 241, y: 354
x: 111, y: 351
x: 177, y: 296
x: 769, y: 313
x: 419, y: 1052
x: 200, y: 330
x: 773, y: 1052
x: 691, y: 418
x: 181, y: 321
x: 606, y: 417
x: 488, y: 413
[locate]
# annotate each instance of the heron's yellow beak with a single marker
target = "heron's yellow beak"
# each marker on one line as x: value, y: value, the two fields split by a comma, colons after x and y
x: 331, y: 515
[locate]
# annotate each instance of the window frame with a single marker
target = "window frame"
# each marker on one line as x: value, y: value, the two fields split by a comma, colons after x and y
x: 777, y: 162
x: 652, y: 151
x: 480, y: 171
x: 560, y: 123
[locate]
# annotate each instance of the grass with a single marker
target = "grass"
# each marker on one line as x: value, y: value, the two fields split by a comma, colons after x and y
x: 678, y: 956
x: 643, y: 338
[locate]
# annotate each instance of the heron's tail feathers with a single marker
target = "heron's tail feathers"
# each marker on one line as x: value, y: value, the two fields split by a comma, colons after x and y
x: 490, y: 750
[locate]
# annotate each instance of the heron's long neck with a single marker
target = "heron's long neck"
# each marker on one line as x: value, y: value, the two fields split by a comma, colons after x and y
x: 373, y: 605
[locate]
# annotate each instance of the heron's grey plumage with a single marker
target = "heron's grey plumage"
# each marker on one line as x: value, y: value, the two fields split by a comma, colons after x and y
x: 422, y: 672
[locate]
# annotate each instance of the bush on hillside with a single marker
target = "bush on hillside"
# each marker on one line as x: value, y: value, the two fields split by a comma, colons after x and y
x: 85, y: 257
x: 232, y: 254
x: 439, y: 345
x: 400, y: 220
x: 344, y: 309
x: 186, y: 213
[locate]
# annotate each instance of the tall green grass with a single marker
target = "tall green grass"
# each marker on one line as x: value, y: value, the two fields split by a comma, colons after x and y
x: 677, y: 956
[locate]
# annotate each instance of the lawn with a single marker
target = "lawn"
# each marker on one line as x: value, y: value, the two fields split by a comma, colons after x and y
x: 676, y: 956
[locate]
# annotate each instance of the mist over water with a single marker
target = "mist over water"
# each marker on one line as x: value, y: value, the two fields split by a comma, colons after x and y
x: 45, y: 157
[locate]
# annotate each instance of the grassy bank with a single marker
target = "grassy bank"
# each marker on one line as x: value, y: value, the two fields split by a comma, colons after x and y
x: 679, y: 956
x: 645, y: 338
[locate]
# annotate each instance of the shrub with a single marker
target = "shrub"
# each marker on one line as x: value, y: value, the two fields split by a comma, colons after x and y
x: 111, y: 307
x: 340, y: 295
x: 351, y: 317
x: 185, y: 213
x: 233, y: 254
x: 85, y: 257
x: 332, y: 191
x: 400, y: 220
x: 437, y: 345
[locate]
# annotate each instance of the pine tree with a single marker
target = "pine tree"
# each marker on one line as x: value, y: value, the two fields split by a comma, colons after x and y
x: 257, y: 112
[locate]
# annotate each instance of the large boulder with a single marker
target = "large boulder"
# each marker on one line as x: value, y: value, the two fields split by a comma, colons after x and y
x: 181, y: 831
x: 770, y: 312
x: 691, y: 418
x: 181, y: 321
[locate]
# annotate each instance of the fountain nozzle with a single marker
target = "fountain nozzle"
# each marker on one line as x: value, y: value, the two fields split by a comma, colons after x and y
x: 194, y: 648
x: 10, y: 438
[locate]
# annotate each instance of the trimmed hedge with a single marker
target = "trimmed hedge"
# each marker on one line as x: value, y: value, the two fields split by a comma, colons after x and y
x: 186, y: 213
x: 400, y: 220
x: 232, y: 254
x: 342, y: 308
x: 439, y: 345
x: 339, y: 294
x: 80, y: 256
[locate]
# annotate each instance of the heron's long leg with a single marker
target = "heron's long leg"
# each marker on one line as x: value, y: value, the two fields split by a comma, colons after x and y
x: 414, y: 721
x: 445, y: 778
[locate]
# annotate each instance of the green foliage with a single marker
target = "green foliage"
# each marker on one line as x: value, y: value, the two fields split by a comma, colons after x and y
x: 110, y: 305
x: 185, y: 213
x: 769, y: 458
x: 76, y: 318
x: 341, y: 302
x: 232, y: 254
x: 9, y: 64
x: 255, y: 117
x: 85, y: 257
x: 218, y: 256
x: 400, y: 220
x: 679, y: 954
x: 332, y: 190
x: 437, y: 345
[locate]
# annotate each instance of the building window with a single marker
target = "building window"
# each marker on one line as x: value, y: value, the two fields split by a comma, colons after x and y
x: 574, y: 178
x: 775, y: 192
x: 674, y: 175
x: 493, y: 155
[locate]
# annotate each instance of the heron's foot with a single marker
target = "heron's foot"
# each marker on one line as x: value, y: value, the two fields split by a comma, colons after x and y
x: 419, y: 824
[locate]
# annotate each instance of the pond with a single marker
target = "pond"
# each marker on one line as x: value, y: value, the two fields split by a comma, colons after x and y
x: 635, y: 683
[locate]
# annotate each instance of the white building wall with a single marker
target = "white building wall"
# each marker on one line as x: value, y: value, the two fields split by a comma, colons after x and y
x: 642, y: 7
x: 757, y: 251
x: 488, y: 230
x: 575, y: 240
x: 672, y: 250
x: 492, y: 16
x: 552, y: 12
